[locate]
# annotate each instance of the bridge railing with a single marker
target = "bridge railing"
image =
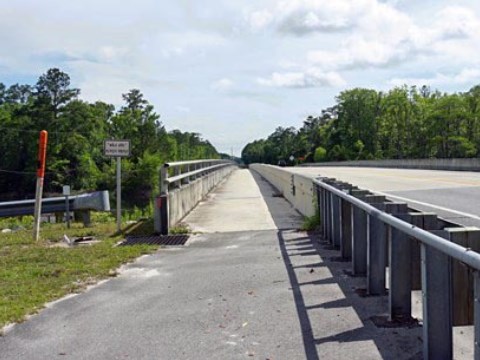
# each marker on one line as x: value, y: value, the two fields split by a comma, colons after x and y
x: 419, y: 250
x: 83, y: 203
x: 183, y: 184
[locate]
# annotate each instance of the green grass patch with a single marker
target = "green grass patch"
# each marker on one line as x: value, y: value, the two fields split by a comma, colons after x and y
x: 179, y: 229
x: 32, y: 274
x: 311, y: 223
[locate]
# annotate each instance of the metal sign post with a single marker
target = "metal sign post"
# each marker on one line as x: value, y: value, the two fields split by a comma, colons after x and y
x: 66, y: 193
x: 42, y: 154
x: 119, y: 193
x: 118, y: 149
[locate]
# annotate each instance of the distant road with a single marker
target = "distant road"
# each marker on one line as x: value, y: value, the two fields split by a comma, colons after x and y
x: 453, y: 195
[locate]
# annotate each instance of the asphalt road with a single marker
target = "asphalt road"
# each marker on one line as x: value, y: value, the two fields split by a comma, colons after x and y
x: 453, y: 195
x: 274, y: 293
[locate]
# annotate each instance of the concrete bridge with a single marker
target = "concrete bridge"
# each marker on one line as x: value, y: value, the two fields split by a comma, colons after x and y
x: 250, y: 284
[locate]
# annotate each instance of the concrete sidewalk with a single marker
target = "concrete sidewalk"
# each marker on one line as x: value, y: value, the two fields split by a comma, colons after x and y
x: 239, y: 205
x: 272, y: 293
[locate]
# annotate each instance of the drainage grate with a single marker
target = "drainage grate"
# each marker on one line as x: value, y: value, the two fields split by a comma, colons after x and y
x: 156, y: 240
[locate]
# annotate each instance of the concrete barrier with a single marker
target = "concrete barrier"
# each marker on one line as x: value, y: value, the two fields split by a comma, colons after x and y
x: 184, y: 199
x: 297, y: 189
x: 427, y: 164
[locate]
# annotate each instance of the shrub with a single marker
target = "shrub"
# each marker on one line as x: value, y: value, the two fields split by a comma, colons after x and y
x: 320, y: 154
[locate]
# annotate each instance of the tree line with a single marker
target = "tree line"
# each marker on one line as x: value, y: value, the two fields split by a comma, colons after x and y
x: 405, y: 122
x: 77, y: 130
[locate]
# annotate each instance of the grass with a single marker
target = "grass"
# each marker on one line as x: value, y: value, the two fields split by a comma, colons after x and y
x: 311, y: 223
x: 180, y: 229
x: 32, y: 274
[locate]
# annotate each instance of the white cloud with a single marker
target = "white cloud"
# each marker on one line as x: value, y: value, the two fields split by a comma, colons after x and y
x: 260, y: 19
x: 466, y: 76
x: 301, y: 17
x: 374, y: 33
x: 456, y: 22
x: 308, y: 79
x: 223, y: 84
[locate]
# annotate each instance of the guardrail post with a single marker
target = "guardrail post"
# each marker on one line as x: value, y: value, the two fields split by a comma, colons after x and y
x: 400, y: 270
x: 342, y: 224
x: 393, y: 208
x: 329, y: 216
x: 426, y: 221
x: 324, y: 213
x: 359, y: 236
x: 320, y: 207
x: 359, y: 242
x: 376, y: 250
x: 346, y: 235
x: 86, y: 219
x: 161, y: 204
x: 360, y: 231
x: 330, y: 211
x: 462, y: 288
x: 336, y: 221
x: 437, y: 302
x: 476, y: 340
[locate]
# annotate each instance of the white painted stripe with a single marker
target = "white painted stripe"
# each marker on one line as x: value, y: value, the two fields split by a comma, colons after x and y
x: 463, y: 214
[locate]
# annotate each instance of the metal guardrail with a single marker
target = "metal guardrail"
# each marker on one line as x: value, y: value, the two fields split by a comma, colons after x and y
x: 377, y: 234
x: 98, y: 201
x: 174, y: 176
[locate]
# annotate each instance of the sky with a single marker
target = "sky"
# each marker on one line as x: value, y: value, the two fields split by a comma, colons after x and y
x: 235, y: 70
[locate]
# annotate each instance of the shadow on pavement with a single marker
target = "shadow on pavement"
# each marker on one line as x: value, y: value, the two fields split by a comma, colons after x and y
x: 334, y: 320
x: 283, y: 214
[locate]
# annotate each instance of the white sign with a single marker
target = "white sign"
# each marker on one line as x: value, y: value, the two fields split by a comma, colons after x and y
x: 117, y: 148
x: 292, y: 158
x: 66, y: 190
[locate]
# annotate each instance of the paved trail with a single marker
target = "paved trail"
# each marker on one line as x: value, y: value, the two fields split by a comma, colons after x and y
x: 250, y: 286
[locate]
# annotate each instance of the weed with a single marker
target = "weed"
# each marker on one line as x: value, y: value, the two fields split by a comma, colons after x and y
x: 311, y: 222
x: 181, y: 228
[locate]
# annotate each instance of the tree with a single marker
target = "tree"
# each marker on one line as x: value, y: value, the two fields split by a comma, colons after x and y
x: 53, y: 88
x: 77, y: 130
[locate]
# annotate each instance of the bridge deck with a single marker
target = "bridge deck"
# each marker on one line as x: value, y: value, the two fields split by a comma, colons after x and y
x: 259, y: 289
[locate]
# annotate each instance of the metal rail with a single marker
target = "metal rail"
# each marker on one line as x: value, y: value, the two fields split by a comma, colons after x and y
x: 453, y: 250
x: 174, y: 179
x: 175, y: 174
x: 177, y: 198
x: 377, y: 234
x: 98, y: 201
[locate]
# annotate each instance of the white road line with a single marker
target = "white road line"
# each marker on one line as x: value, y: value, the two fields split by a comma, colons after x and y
x: 463, y: 214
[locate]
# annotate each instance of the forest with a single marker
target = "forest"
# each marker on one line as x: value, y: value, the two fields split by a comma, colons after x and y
x: 77, y: 130
x: 405, y: 122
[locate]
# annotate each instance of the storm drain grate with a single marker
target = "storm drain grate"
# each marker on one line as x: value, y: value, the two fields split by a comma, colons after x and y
x: 156, y: 240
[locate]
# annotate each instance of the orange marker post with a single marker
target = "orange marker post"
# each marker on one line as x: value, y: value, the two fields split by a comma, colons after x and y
x: 42, y: 154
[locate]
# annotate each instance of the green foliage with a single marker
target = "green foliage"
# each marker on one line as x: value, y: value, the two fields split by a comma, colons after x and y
x: 77, y: 130
x: 15, y: 222
x: 365, y: 124
x: 101, y: 217
x: 320, y: 154
x: 181, y: 228
x: 461, y: 147
x: 311, y: 223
